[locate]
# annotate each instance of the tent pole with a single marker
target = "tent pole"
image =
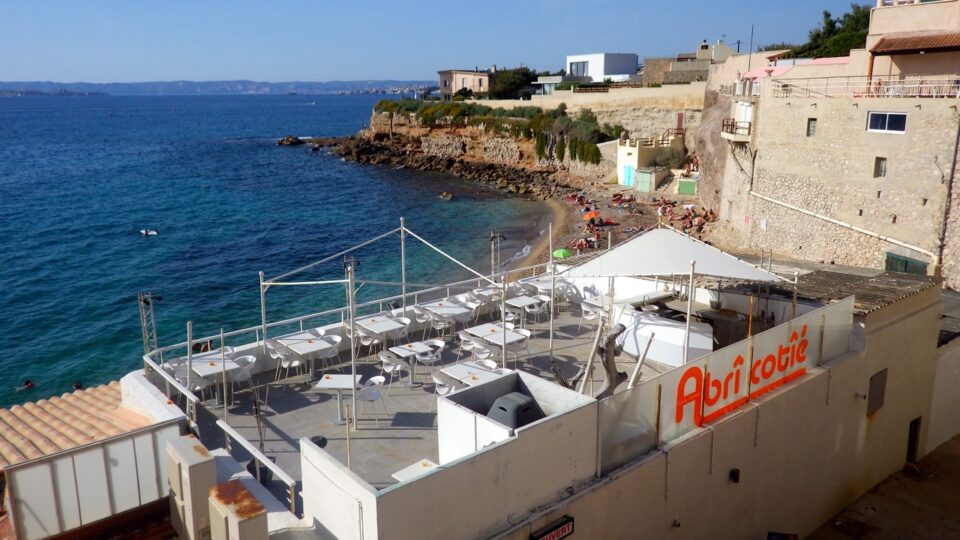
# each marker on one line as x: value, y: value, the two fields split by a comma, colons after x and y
x: 503, y: 319
x: 686, y: 332
x: 796, y: 280
x: 263, y: 309
x: 189, y: 356
x: 223, y: 364
x: 636, y: 369
x: 403, y: 265
x: 553, y: 286
x: 353, y: 337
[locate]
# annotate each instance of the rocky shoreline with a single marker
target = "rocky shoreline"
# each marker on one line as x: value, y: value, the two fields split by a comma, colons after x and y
x: 406, y: 152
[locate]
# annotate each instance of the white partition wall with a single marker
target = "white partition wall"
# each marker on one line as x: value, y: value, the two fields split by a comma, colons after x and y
x: 64, y: 491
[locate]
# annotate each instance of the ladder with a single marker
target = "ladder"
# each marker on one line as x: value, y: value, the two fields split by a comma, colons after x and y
x: 148, y: 324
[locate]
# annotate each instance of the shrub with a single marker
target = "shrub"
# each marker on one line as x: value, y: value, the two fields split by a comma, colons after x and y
x: 541, y: 145
x: 561, y: 149
x: 673, y: 158
x: 574, y: 149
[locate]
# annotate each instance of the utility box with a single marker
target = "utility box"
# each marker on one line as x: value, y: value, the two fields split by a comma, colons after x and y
x: 235, y: 514
x: 515, y: 410
x: 191, y: 472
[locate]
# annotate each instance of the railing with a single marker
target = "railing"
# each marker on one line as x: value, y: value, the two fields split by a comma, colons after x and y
x: 944, y: 86
x: 735, y: 127
x: 591, y: 89
x: 267, y: 462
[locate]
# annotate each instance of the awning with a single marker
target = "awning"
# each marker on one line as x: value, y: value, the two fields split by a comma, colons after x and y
x: 664, y: 252
x: 916, y: 42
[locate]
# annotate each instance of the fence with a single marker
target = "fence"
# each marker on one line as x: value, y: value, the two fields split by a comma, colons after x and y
x: 655, y: 412
x: 946, y: 86
x: 733, y: 127
x: 61, y: 492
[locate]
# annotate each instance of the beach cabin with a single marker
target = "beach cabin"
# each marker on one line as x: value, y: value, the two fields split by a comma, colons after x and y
x: 636, y: 161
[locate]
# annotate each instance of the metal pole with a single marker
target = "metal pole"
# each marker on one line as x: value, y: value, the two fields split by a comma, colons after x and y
x: 553, y: 286
x: 263, y: 309
x: 503, y: 318
x: 796, y: 280
x: 223, y: 364
x: 189, y: 357
x: 403, y: 265
x: 353, y: 337
x: 686, y: 332
x: 609, y: 240
x: 636, y: 370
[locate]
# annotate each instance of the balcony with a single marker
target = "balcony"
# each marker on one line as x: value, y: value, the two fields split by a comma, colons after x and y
x: 941, y: 86
x: 735, y: 131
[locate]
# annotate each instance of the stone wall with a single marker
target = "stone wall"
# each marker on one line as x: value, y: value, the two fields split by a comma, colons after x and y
x: 653, y: 122
x: 831, y: 173
x: 711, y: 148
x: 444, y: 146
x: 501, y: 150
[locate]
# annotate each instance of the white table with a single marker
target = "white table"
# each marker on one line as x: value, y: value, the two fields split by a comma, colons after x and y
x: 408, y: 350
x: 379, y: 324
x: 545, y: 283
x: 523, y: 301
x: 339, y: 383
x: 446, y: 308
x: 470, y: 374
x: 306, y: 344
x: 210, y: 365
x: 487, y: 291
x: 417, y: 469
x: 494, y: 333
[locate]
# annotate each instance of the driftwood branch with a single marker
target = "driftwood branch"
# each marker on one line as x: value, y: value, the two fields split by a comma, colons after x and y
x: 608, y: 351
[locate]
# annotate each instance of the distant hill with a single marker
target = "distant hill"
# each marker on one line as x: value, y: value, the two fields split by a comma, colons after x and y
x: 199, y: 88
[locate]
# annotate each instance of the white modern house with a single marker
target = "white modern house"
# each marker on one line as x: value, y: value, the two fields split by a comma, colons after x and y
x: 601, y: 66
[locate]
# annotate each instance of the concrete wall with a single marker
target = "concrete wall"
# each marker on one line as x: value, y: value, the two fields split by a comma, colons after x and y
x: 913, y: 18
x: 945, y: 417
x: 335, y: 500
x: 803, y: 452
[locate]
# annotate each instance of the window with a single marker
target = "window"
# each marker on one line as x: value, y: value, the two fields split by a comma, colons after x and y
x: 878, y: 390
x: 480, y: 83
x: 463, y: 82
x: 880, y: 167
x: 446, y: 83
x: 579, y: 69
x: 811, y: 127
x: 887, y: 122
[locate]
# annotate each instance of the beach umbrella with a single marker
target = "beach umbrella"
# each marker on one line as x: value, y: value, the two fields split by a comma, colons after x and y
x: 591, y: 215
x: 562, y: 253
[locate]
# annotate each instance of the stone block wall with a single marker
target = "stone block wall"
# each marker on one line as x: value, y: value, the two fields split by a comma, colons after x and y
x: 444, y: 146
x: 501, y: 150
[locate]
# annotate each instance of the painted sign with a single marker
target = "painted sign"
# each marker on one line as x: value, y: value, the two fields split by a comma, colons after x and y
x: 708, y: 388
x: 555, y: 531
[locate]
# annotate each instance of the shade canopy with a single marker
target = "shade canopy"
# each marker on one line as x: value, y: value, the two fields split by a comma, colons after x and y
x: 666, y: 251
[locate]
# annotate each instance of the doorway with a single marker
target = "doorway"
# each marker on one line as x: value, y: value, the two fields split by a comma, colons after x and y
x: 913, y: 440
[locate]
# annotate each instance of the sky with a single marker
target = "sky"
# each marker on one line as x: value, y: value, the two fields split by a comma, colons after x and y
x: 325, y: 40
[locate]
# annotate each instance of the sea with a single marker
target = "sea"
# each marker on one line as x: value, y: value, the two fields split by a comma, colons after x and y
x: 81, y: 176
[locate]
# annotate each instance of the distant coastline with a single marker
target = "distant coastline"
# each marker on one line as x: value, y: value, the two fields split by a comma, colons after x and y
x: 58, y: 93
x: 207, y: 88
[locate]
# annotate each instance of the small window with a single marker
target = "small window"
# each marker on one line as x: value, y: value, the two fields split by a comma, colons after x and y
x: 463, y: 82
x: 811, y: 127
x: 480, y: 82
x: 446, y: 83
x: 880, y: 167
x: 887, y: 122
x: 877, y: 392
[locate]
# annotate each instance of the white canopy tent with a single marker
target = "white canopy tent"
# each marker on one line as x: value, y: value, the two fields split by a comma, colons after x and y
x: 664, y: 252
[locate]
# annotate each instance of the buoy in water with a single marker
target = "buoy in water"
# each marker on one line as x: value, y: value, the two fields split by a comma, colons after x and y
x: 149, y: 232
x: 27, y: 385
x: 446, y: 195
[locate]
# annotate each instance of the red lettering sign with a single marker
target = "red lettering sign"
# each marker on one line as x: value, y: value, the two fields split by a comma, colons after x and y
x: 698, y: 390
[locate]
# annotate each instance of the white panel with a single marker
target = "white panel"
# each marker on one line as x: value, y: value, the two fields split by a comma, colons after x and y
x: 122, y: 475
x: 66, y: 484
x: 838, y: 324
x: 628, y: 425
x: 776, y: 360
x: 726, y: 383
x: 681, y: 403
x: 456, y: 431
x: 146, y: 468
x: 490, y: 432
x: 160, y: 438
x: 32, y: 492
x: 92, y: 482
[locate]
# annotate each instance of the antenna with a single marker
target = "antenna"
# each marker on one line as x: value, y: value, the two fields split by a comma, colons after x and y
x: 148, y: 324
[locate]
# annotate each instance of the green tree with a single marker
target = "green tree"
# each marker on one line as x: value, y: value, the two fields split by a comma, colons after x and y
x: 463, y: 94
x: 574, y: 149
x: 541, y: 145
x: 561, y: 149
x: 510, y: 83
x: 835, y: 36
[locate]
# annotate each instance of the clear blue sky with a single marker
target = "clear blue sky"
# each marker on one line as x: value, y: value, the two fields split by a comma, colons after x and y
x: 321, y: 40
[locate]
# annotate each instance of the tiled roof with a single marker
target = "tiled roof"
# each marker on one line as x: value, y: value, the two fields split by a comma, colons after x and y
x: 907, y: 42
x: 74, y: 419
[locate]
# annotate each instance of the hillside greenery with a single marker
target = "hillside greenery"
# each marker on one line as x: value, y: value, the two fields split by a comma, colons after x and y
x: 556, y: 134
x: 833, y: 37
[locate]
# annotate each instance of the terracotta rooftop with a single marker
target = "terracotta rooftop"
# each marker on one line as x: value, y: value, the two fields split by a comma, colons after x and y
x: 74, y: 419
x: 914, y: 42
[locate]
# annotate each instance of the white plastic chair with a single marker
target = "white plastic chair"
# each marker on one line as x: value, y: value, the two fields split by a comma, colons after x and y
x: 244, y: 374
x: 331, y: 352
x: 524, y: 345
x: 391, y: 364
x: 440, y: 324
x: 487, y: 364
x: 289, y: 360
x: 367, y: 340
x: 466, y: 343
x: 370, y: 393
x: 197, y: 383
x: 442, y: 385
x: 587, y: 313
x: 434, y: 356
x: 400, y: 333
x: 536, y: 310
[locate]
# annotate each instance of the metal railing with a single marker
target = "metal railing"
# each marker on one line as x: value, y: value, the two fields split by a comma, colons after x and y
x: 735, y: 127
x: 267, y: 462
x: 943, y: 86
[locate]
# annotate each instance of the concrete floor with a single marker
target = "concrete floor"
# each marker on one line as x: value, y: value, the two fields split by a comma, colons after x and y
x: 401, y: 428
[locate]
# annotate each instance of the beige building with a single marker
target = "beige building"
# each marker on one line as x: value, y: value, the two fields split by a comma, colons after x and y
x: 685, y: 67
x: 454, y: 80
x: 849, y: 160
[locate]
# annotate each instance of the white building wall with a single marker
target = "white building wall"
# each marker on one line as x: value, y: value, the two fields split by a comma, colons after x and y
x: 606, y: 65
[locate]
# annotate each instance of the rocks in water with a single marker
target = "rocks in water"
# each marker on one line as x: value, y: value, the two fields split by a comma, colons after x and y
x: 290, y: 140
x: 406, y: 152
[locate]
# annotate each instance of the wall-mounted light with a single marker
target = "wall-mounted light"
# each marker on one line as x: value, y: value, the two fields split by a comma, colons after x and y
x: 814, y: 105
x: 860, y: 395
x: 918, y: 106
x: 788, y: 104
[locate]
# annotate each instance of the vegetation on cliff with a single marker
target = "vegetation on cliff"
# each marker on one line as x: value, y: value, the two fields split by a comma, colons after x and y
x: 834, y: 36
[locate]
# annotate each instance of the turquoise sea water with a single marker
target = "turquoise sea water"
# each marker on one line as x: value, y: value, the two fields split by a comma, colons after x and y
x: 80, y: 176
